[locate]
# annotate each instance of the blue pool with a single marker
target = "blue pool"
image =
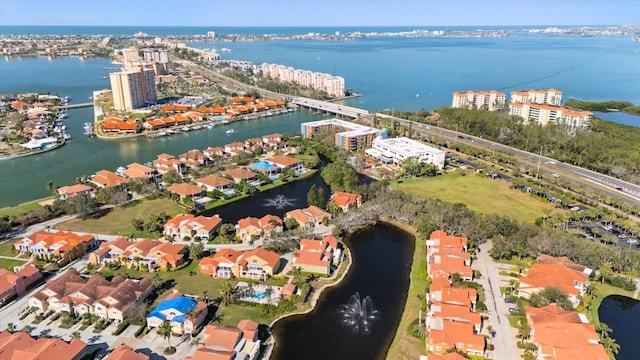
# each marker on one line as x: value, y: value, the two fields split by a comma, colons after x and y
x: 259, y: 295
x: 262, y: 165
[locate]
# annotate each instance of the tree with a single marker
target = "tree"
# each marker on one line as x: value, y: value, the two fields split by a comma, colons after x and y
x: 195, y: 342
x: 228, y: 292
x: 171, y: 177
x: 610, y: 345
x: 165, y: 331
x: 196, y: 250
x: 51, y: 187
x: 75, y: 335
x: 83, y: 206
x: 524, y: 330
x: 315, y: 196
x: 11, y: 327
x: 290, y: 223
x: 138, y: 224
x: 227, y: 231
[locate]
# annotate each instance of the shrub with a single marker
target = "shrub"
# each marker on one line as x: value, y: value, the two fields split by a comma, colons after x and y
x: 121, y: 327
x: 142, y: 331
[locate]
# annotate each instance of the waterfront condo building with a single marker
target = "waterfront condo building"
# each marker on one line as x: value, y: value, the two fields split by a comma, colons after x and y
x: 544, y: 114
x: 486, y: 100
x: 535, y: 96
x: 348, y: 136
x: 397, y: 150
x: 133, y: 89
x: 332, y: 85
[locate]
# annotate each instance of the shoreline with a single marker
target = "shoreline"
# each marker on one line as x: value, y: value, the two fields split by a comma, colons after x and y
x: 58, y: 145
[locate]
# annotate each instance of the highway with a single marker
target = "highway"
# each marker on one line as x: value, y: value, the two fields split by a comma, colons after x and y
x: 611, y: 186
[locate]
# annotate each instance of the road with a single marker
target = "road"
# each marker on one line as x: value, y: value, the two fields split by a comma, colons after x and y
x: 505, y: 336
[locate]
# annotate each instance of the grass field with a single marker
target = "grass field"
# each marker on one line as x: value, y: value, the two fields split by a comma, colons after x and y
x: 479, y: 193
x: 9, y: 264
x: 118, y: 220
x: 22, y: 208
x: 7, y: 249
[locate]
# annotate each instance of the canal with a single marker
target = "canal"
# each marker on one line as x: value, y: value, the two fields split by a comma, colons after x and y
x: 622, y: 315
x: 382, y: 256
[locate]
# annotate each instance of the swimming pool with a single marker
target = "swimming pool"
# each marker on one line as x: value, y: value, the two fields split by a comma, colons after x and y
x: 262, y: 165
x: 259, y: 295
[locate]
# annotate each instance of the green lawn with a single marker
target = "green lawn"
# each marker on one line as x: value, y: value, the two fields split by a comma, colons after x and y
x: 479, y: 193
x: 7, y: 249
x: 22, y: 208
x: 9, y: 264
x: 118, y: 220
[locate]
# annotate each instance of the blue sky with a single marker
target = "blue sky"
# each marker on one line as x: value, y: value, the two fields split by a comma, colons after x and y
x: 319, y: 12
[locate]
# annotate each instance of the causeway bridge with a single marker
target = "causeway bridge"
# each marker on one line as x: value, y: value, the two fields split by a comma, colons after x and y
x: 76, y: 106
x: 331, y: 108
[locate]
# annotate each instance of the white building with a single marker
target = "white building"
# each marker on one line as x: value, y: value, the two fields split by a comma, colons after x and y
x: 397, y: 150
x: 487, y: 100
x: 332, y: 85
x: 545, y: 114
x: 535, y: 96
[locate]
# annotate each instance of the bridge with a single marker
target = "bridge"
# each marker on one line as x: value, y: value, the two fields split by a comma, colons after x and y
x: 76, y: 106
x: 331, y: 108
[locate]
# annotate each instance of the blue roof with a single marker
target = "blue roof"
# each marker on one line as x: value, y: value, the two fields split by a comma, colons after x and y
x: 181, y: 304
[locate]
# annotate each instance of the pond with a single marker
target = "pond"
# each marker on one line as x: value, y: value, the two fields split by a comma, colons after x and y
x: 382, y: 256
x: 622, y: 315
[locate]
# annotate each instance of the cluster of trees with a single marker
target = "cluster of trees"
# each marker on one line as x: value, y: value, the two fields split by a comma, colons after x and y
x: 414, y: 168
x: 604, y: 106
x: 316, y: 196
x: 548, y: 296
x: 155, y: 223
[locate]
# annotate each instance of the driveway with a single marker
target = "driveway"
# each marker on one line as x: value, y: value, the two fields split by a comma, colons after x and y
x: 505, y: 336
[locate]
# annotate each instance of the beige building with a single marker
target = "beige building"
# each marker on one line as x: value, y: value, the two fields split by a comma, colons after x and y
x: 535, y: 96
x: 332, y: 85
x: 133, y: 89
x: 545, y: 114
x: 486, y: 100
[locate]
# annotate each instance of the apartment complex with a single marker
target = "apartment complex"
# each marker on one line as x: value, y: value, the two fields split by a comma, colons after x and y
x: 348, y: 136
x: 537, y: 96
x: 543, y: 114
x: 252, y: 264
x: 21, y: 345
x: 222, y: 342
x: 486, y: 100
x: 332, y: 85
x: 317, y: 256
x: 397, y: 150
x: 133, y: 89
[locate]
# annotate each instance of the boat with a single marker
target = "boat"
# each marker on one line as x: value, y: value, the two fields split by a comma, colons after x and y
x: 66, y: 136
x: 269, y: 113
x: 121, y: 169
x: 186, y: 128
x: 417, y: 95
x: 230, y: 131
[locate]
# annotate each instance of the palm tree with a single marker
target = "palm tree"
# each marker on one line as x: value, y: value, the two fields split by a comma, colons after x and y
x: 297, y: 273
x: 604, y: 330
x: 228, y: 292
x: 75, y: 335
x: 195, y: 342
x: 610, y: 345
x: 268, y: 291
x: 11, y: 327
x: 165, y: 331
x: 51, y: 186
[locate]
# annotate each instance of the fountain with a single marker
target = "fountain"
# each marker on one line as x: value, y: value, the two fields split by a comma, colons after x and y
x: 280, y: 202
x: 358, y: 315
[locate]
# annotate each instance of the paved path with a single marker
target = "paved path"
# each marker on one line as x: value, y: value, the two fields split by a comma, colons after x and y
x: 505, y: 336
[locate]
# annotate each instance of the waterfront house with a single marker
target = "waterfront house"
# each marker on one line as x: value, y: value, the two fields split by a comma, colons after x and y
x: 266, y: 168
x: 15, y: 283
x: 186, y: 190
x: 94, y: 294
x: 215, y: 182
x: 144, y: 253
x: 239, y: 174
x: 254, y: 144
x: 214, y: 152
x: 272, y: 141
x: 223, y: 342
x: 109, y: 179
x: 317, y: 256
x: 234, y: 148
x: 252, y: 264
x: 449, y: 356
x: 187, y: 225
x: 283, y: 161
x: 563, y: 335
x: 447, y: 334
x: 309, y: 217
x: 346, y: 200
x: 143, y: 172
x: 48, y: 244
x: 194, y: 159
x: 125, y: 352
x: 183, y: 314
x: 194, y: 115
x: 288, y: 290
x: 252, y: 227
x: 120, y: 124
x: 560, y: 273
x: 20, y: 345
x: 70, y: 191
x: 165, y: 163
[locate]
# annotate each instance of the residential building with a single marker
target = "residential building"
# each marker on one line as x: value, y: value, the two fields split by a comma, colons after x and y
x: 460, y: 313
x: 447, y: 334
x: 48, y: 244
x: 142, y: 172
x: 563, y: 335
x: 348, y: 135
x: 449, y: 356
x: 165, y: 163
x: 234, y: 148
x: 317, y: 256
x: 397, y: 150
x: 15, y: 283
x: 147, y: 253
x: 215, y: 182
x: 308, y: 217
x: 560, y: 273
x: 20, y: 345
x: 441, y: 291
x: 194, y: 159
x: 272, y: 141
x: 544, y: 114
x: 283, y: 161
x: 537, y: 96
x: 266, y: 168
x: 446, y: 255
x: 346, y: 200
x: 183, y: 314
x: 332, y: 85
x: 252, y: 264
x: 213, y: 152
x: 186, y: 190
x: 133, y: 89
x: 113, y: 300
x: 222, y: 342
x: 125, y: 352
x: 188, y: 225
x: 70, y: 191
x: 252, y: 228
x: 486, y: 100
x: 109, y: 179
x: 239, y: 174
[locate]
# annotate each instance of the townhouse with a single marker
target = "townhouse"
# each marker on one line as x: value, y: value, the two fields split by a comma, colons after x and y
x: 234, y: 148
x: 188, y: 225
x: 272, y: 142
x: 147, y: 253
x: 213, y: 152
x: 560, y: 273
x: 318, y: 256
x: 183, y: 314
x: 447, y: 255
x: 15, y: 283
x: 48, y: 244
x: 447, y: 334
x: 251, y: 227
x: 20, y: 345
x: 252, y: 264
x: 222, y: 342
x: 94, y: 295
x: 309, y: 217
x: 345, y: 200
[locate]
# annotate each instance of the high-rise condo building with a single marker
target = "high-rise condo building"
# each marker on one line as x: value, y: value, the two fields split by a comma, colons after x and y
x: 133, y: 89
x: 486, y: 100
x: 534, y: 96
x: 347, y: 135
x: 544, y: 114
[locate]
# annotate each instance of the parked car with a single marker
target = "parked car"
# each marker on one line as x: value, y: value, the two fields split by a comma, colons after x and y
x: 514, y: 310
x: 509, y: 300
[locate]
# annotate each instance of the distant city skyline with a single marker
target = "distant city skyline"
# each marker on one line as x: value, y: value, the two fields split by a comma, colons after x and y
x: 319, y: 12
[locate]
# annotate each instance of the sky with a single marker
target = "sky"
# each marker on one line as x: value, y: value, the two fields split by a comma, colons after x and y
x: 319, y: 12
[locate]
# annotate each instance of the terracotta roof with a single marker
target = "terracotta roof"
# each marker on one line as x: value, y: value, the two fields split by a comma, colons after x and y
x: 284, y: 160
x: 125, y: 352
x: 135, y: 170
x: 204, y: 353
x: 449, y: 356
x: 554, y: 275
x: 221, y: 337
x: 185, y: 189
x: 74, y: 189
x: 227, y: 255
x: 108, y: 179
x: 249, y: 329
x: 238, y: 173
x: 270, y: 222
x: 21, y: 346
x: 344, y: 198
x: 453, y: 333
x: 247, y: 222
x: 316, y: 212
x: 214, y: 181
x: 270, y: 257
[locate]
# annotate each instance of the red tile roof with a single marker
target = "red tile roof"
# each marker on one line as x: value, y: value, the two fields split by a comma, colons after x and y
x: 21, y: 346
x: 285, y: 160
x: 185, y: 189
x: 125, y: 352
